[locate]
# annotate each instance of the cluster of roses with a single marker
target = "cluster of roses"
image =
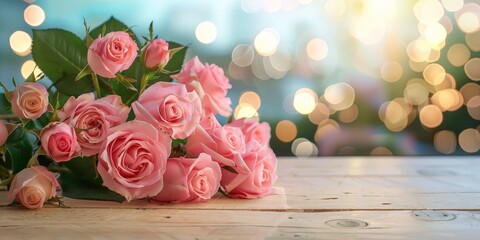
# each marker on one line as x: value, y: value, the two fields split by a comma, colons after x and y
x: 174, y: 150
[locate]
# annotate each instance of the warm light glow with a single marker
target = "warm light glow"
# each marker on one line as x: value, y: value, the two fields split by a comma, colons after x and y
x: 434, y: 73
x: 245, y: 111
x: 469, y: 91
x: 303, y: 148
x: 448, y: 82
x: 472, y: 69
x: 339, y: 96
x: 468, y: 22
x: 435, y: 33
x: 469, y: 140
x: 317, y: 49
x: 305, y: 100
x: 473, y: 40
x: 266, y: 42
x: 431, y: 116
x: 206, y: 32
x: 428, y: 11
x: 286, y: 131
x: 28, y: 67
x: 415, y: 93
x: 458, y: 54
x: 325, y: 130
x: 34, y: 15
x: 473, y: 107
x: 381, y: 151
x: 348, y: 115
x: 334, y: 8
x: 391, y: 71
x: 419, y: 50
x: 448, y: 99
x: 445, y: 142
x: 21, y: 43
x: 394, y: 115
x: 452, y: 5
x: 320, y: 114
x: 250, y: 98
x: 242, y: 55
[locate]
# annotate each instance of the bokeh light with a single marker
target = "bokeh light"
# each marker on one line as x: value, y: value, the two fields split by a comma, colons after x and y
x: 452, y: 5
x: 302, y: 147
x: 339, y: 96
x: 391, y: 71
x: 434, y: 73
x: 431, y: 116
x: 34, y: 15
x: 469, y: 140
x: 317, y: 49
x: 445, y: 142
x: 245, y: 111
x: 206, y: 32
x: 286, y: 131
x: 473, y: 107
x: 472, y: 69
x: 305, y: 100
x: 250, y: 98
x: 242, y: 55
x: 28, y: 67
x: 458, y: 54
x: 266, y: 42
x: 381, y: 151
x: 21, y: 43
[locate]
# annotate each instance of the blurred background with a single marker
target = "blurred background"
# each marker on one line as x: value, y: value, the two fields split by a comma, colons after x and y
x: 332, y: 77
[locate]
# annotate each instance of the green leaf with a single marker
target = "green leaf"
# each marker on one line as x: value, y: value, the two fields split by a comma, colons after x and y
x: 61, y: 55
x: 5, y: 106
x: 75, y: 187
x: 112, y: 25
x: 176, y: 62
x: 20, y: 146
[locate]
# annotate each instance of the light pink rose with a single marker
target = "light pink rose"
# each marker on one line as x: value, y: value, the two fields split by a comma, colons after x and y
x: 111, y: 54
x: 225, y: 145
x: 93, y: 118
x: 209, y: 123
x: 254, y: 130
x: 190, y: 179
x: 156, y: 54
x: 210, y: 83
x: 133, y: 159
x: 3, y: 133
x: 169, y: 107
x: 33, y: 186
x: 59, y: 141
x: 258, y: 180
x: 29, y: 100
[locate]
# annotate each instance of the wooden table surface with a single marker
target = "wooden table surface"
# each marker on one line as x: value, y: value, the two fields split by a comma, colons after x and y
x: 318, y: 198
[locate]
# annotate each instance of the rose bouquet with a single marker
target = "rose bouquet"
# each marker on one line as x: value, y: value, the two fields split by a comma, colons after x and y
x: 119, y: 119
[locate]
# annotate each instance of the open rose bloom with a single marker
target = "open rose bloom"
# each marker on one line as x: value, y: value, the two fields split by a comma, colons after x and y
x: 33, y: 186
x: 29, y: 100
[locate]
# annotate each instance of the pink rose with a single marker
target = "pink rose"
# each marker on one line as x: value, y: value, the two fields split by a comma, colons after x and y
x: 258, y: 180
x: 93, y: 118
x: 254, y: 130
x: 59, y: 141
x: 225, y: 145
x: 3, y: 133
x: 209, y: 123
x: 133, y: 159
x: 210, y: 83
x: 33, y: 186
x: 169, y: 107
x: 111, y: 54
x: 190, y: 179
x: 156, y: 54
x: 29, y: 100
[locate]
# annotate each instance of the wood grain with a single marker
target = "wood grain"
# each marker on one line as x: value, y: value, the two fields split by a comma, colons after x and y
x: 345, y: 198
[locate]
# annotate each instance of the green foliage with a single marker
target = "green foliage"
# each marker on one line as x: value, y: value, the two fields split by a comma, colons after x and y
x: 20, y: 146
x: 61, y: 55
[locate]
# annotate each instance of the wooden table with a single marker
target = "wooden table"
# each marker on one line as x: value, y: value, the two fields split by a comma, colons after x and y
x: 320, y: 198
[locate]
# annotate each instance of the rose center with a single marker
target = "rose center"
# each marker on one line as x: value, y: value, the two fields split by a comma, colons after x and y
x: 63, y: 144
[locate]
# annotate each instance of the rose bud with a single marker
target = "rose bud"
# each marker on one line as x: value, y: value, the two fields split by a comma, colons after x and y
x: 156, y: 54
x: 29, y: 100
